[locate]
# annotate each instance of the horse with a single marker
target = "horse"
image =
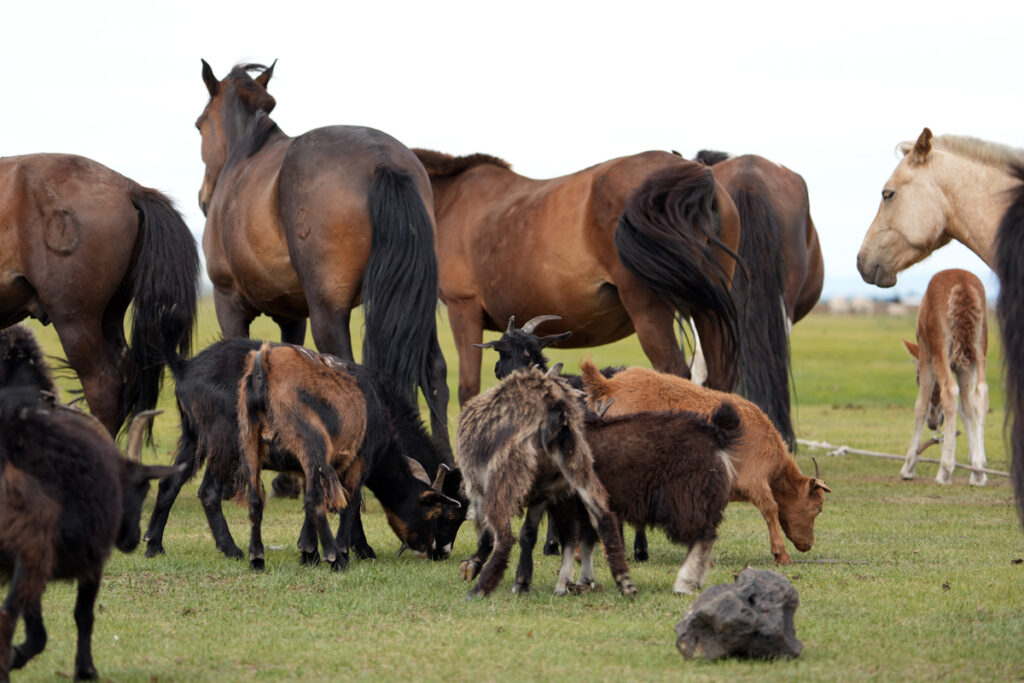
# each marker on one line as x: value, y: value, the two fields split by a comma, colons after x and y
x: 312, y: 226
x: 78, y: 243
x: 952, y: 341
x: 945, y: 187
x: 783, y: 277
x: 631, y: 244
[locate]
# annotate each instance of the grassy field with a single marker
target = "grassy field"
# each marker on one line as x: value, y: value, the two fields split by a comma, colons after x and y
x: 907, y: 580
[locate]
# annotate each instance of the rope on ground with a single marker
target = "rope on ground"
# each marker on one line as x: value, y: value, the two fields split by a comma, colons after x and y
x: 843, y: 450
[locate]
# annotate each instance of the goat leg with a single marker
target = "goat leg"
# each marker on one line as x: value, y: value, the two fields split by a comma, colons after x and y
x: 35, y: 636
x: 495, y: 567
x: 211, y: 493
x: 551, y: 540
x: 309, y: 551
x: 470, y: 567
x: 640, y: 553
x: 360, y: 545
x: 84, y: 604
x: 527, y: 541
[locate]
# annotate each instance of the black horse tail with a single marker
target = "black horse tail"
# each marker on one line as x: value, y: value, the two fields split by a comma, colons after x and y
x: 165, y: 299
x: 667, y: 237
x: 760, y: 295
x: 400, y: 287
x: 1009, y: 254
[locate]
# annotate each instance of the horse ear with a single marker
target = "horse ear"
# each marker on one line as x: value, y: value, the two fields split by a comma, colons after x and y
x: 212, y: 84
x: 553, y: 339
x: 912, y: 347
x: 264, y: 77
x: 922, y: 147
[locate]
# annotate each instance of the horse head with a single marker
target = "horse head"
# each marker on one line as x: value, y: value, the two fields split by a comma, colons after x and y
x: 234, y: 103
x: 911, y: 220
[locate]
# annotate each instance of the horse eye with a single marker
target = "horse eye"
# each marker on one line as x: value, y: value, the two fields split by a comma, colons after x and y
x: 887, y: 194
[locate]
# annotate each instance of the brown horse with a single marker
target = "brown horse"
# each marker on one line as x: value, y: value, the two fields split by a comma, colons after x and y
x: 313, y: 225
x: 619, y: 247
x: 78, y: 243
x: 783, y: 277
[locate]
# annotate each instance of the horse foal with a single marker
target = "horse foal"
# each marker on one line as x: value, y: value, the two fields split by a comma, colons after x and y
x: 952, y: 340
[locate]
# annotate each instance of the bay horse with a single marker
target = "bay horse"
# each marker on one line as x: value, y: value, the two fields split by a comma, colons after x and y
x: 631, y: 244
x: 783, y: 277
x: 945, y: 187
x: 78, y: 243
x: 952, y: 341
x: 312, y: 226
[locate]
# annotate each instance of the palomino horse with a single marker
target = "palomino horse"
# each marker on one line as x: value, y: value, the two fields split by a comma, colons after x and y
x: 946, y: 187
x: 1009, y: 255
x: 952, y: 340
x: 313, y: 225
x: 783, y: 277
x: 619, y: 247
x: 78, y: 243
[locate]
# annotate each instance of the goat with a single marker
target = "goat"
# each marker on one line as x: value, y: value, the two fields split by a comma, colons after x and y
x: 22, y: 363
x: 312, y: 407
x: 66, y: 497
x: 206, y: 388
x: 952, y: 341
x: 520, y: 442
x: 766, y: 473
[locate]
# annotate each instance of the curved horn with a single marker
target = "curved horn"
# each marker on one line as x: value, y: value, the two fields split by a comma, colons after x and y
x: 136, y: 432
x: 532, y: 323
x: 817, y: 472
x: 602, y: 408
x: 405, y: 546
x: 555, y: 370
x: 439, y: 479
x: 417, y: 470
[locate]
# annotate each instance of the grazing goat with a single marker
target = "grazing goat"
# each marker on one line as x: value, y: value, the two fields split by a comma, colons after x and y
x: 66, y: 497
x: 766, y: 473
x: 670, y: 470
x: 952, y: 340
x: 521, y: 442
x: 313, y: 407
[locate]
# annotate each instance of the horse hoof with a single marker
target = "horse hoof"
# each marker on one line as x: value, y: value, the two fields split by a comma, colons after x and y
x: 980, y: 481
x: 257, y: 564
x: 154, y: 549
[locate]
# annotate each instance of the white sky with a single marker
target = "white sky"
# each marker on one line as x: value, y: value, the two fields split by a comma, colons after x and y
x: 827, y: 89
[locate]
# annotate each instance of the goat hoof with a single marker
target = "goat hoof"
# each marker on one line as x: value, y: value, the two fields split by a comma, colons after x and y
x: 88, y: 674
x: 257, y: 564
x: 627, y: 589
x: 641, y: 555
x: 551, y: 548
x: 519, y: 587
x: 309, y: 559
x: 17, y: 658
x: 468, y: 569
x: 233, y: 553
x: 475, y: 593
x: 339, y: 564
x: 365, y: 553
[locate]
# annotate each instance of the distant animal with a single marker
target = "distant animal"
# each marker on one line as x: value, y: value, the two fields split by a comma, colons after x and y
x: 782, y: 278
x: 520, y: 443
x: 629, y: 245
x: 80, y: 243
x: 670, y: 470
x: 861, y: 305
x: 766, y: 472
x: 1009, y: 254
x: 838, y: 305
x: 314, y: 225
x: 343, y: 431
x: 952, y: 342
x: 945, y: 187
x: 66, y: 497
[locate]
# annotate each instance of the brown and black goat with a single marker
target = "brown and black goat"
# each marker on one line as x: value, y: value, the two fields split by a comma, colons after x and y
x: 670, y: 470
x: 522, y: 442
x: 316, y: 408
x: 66, y: 497
x: 766, y: 472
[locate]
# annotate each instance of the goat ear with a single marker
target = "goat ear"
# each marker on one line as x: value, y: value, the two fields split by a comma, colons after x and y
x: 417, y: 470
x: 431, y: 498
x: 553, y: 339
x: 819, y: 484
x: 912, y: 347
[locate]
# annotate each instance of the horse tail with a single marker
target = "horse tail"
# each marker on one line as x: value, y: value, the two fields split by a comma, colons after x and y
x: 1009, y: 254
x: 400, y: 287
x: 760, y: 296
x: 165, y: 299
x: 667, y: 237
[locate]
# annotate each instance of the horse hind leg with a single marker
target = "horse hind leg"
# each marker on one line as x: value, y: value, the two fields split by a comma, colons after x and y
x: 95, y: 362
x: 973, y: 407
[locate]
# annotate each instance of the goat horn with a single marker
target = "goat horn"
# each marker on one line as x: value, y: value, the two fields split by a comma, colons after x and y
x: 404, y: 547
x: 555, y: 370
x: 817, y: 471
x: 511, y: 325
x: 439, y: 479
x: 602, y: 408
x: 136, y: 431
x: 532, y: 324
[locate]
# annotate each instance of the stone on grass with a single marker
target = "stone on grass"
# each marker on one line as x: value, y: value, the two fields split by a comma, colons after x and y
x: 752, y: 617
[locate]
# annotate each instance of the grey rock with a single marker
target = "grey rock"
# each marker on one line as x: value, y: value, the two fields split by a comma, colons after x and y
x: 752, y: 617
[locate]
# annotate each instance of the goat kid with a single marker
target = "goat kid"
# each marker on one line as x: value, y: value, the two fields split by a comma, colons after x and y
x: 521, y: 442
x: 952, y: 341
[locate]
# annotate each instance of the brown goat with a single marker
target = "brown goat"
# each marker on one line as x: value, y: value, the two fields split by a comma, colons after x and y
x: 518, y: 443
x: 766, y: 473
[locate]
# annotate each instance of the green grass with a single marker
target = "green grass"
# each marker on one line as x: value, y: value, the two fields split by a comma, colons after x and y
x: 907, y: 580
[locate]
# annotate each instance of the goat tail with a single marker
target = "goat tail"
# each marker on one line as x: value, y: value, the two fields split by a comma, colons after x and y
x: 165, y: 300
x: 1009, y: 254
x: 334, y: 496
x: 667, y: 237
x: 253, y: 404
x: 594, y: 383
x: 728, y: 428
x: 759, y: 292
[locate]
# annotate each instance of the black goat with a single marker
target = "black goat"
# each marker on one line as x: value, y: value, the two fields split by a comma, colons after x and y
x: 22, y: 363
x: 66, y: 496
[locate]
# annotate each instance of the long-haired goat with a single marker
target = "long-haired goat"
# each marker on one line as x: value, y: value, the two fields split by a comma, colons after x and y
x: 312, y: 406
x: 66, y: 497
x: 766, y: 473
x: 22, y: 363
x: 669, y: 470
x: 520, y: 441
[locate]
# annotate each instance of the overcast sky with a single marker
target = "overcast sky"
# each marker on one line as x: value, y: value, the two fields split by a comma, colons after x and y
x: 824, y: 88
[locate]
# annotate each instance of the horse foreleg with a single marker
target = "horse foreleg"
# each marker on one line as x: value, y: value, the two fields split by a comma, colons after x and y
x: 293, y: 330
x: 466, y: 320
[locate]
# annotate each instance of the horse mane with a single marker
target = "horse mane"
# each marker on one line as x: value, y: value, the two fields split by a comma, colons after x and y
x: 984, y: 151
x: 262, y: 127
x: 441, y: 165
x: 710, y: 157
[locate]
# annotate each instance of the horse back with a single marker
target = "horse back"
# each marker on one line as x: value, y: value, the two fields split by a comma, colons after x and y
x: 952, y: 323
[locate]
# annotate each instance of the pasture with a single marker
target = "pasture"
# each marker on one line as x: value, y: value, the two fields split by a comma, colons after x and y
x: 906, y: 580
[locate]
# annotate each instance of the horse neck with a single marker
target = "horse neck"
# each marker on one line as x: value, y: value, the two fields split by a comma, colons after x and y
x: 978, y: 195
